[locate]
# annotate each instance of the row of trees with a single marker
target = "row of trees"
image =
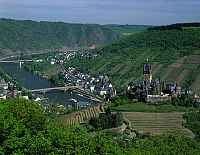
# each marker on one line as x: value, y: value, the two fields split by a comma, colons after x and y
x: 184, y: 100
x: 107, y: 120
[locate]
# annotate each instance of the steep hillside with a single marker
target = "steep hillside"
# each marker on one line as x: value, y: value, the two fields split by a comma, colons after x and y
x: 174, y: 54
x: 30, y: 35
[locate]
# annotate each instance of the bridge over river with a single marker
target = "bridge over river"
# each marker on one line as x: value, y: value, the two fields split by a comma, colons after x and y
x: 44, y: 90
x: 44, y: 85
x: 76, y: 89
x: 15, y: 61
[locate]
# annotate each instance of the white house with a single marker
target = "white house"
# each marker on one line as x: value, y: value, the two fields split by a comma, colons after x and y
x: 3, y: 97
x: 92, y: 88
x: 103, y: 92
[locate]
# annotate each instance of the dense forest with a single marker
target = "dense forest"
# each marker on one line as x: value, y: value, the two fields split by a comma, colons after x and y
x: 174, y: 55
x: 25, y: 128
x: 26, y: 35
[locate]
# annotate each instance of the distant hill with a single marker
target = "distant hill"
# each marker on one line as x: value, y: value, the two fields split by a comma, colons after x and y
x: 125, y: 30
x: 174, y: 55
x: 26, y: 35
x: 178, y: 26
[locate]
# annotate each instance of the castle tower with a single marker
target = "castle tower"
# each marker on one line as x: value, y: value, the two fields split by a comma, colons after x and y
x: 147, y: 72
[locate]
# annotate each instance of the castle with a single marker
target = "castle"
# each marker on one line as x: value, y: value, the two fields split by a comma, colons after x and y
x: 151, y: 90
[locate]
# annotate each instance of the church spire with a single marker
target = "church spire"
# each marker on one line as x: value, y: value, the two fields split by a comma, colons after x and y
x: 147, y: 71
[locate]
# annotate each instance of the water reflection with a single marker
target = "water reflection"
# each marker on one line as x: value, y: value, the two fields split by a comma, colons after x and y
x: 32, y: 81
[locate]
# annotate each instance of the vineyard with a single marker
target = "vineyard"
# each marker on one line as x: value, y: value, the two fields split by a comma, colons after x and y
x: 150, y: 123
x: 174, y: 55
x: 81, y: 116
x: 185, y: 72
x: 158, y: 123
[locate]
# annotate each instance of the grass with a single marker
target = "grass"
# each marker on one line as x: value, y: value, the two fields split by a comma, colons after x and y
x: 51, y: 71
x: 142, y: 107
x: 192, y: 121
x: 2, y: 105
x: 44, y: 69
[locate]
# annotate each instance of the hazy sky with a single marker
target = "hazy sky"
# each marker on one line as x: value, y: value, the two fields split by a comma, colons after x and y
x: 154, y: 12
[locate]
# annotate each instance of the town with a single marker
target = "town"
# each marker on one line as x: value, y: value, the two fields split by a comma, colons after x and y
x: 7, y: 89
x: 100, y: 85
x: 61, y: 56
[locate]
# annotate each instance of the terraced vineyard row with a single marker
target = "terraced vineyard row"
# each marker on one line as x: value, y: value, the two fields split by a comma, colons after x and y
x: 157, y: 123
x: 184, y: 69
x: 82, y: 116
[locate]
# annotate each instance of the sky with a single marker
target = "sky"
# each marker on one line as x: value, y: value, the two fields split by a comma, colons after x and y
x: 137, y: 12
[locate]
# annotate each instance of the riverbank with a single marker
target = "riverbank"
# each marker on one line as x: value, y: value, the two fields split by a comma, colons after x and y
x: 9, y: 79
x: 45, y: 70
x: 25, y: 54
x: 32, y: 81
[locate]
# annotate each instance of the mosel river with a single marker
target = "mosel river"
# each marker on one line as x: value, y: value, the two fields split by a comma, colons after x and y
x: 31, y: 81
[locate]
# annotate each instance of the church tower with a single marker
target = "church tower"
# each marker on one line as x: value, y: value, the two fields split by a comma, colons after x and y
x: 147, y: 72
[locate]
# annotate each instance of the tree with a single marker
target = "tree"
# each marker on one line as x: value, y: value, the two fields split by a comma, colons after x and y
x: 29, y: 113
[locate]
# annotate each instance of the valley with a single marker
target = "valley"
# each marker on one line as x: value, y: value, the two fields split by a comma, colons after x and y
x: 90, y: 77
x: 80, y: 97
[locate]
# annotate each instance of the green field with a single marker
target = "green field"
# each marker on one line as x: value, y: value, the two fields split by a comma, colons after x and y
x: 143, y: 107
x: 2, y: 106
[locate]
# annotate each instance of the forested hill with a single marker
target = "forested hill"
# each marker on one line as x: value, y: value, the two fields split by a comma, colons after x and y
x: 30, y: 35
x: 125, y: 30
x: 173, y: 53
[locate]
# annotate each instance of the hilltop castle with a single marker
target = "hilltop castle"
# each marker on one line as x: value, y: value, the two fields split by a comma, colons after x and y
x: 149, y: 89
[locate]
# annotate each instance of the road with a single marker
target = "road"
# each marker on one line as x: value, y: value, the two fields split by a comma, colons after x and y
x: 55, y: 88
x: 15, y: 56
x: 14, y: 61
x: 38, y: 53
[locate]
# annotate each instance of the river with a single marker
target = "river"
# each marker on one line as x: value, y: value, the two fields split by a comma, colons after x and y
x: 31, y: 81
